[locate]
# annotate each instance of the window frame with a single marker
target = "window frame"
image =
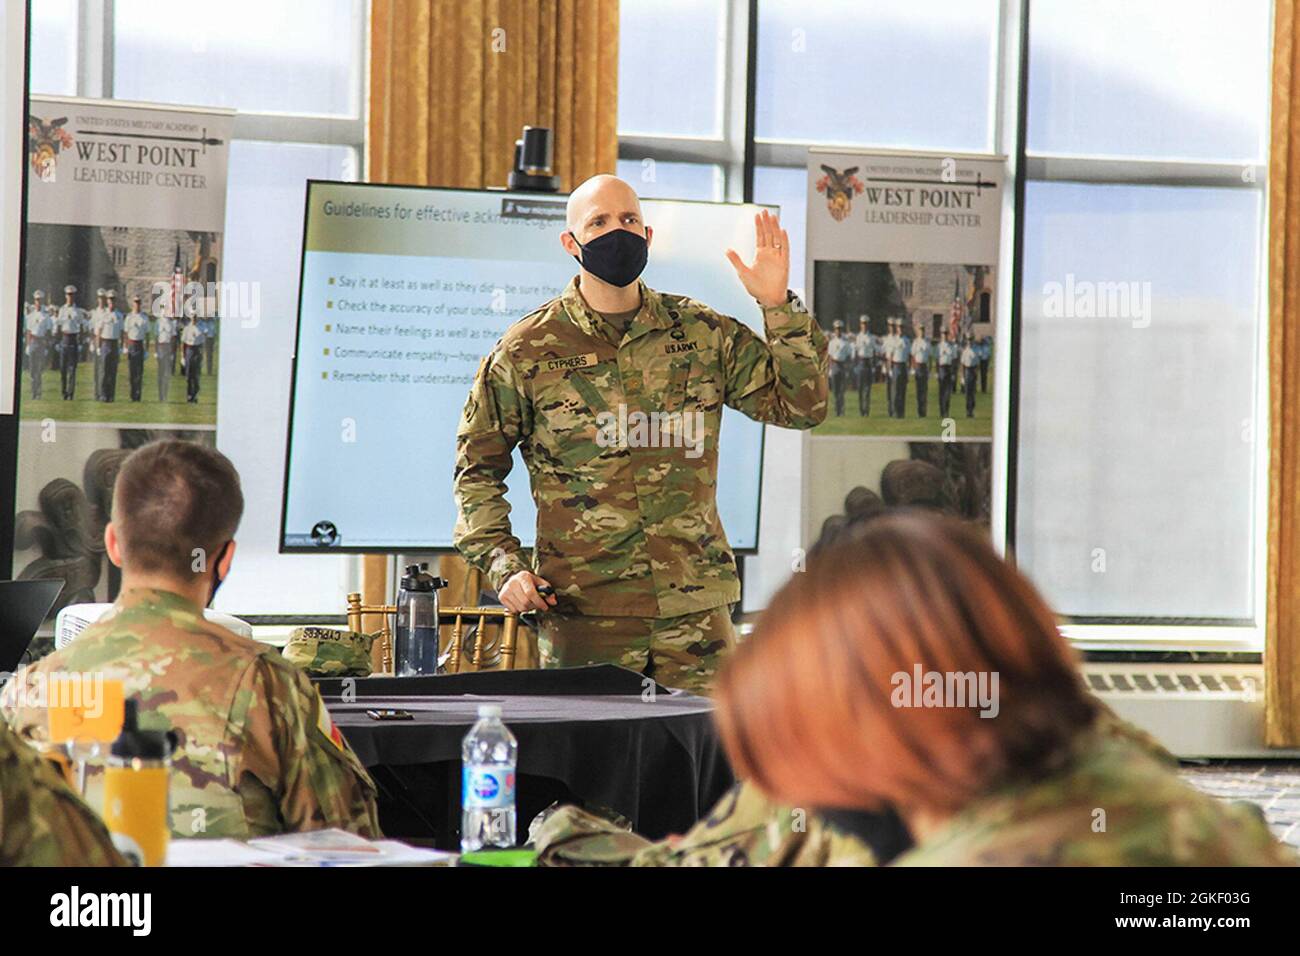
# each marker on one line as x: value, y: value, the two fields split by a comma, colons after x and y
x: 1171, y: 632
x: 738, y: 152
x: 731, y: 150
x: 94, y: 33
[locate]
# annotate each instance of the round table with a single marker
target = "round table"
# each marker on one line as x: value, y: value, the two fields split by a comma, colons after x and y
x: 601, y: 735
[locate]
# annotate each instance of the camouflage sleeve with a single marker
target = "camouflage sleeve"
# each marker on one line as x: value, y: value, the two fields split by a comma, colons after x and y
x: 42, y: 822
x: 744, y: 829
x: 494, y: 421
x: 292, y: 746
x: 782, y: 381
x: 17, y: 707
x: 571, y: 836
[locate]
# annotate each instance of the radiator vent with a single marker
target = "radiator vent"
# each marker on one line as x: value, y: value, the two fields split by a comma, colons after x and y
x: 1195, y: 710
x: 1181, y: 681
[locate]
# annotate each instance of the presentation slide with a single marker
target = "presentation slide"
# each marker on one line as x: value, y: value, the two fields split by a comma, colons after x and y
x: 404, y: 290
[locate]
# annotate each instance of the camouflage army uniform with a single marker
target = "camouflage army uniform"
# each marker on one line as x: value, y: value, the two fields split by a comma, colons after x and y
x: 1151, y: 818
x: 748, y: 829
x: 327, y: 652
x: 42, y: 822
x: 258, y: 751
x: 744, y: 829
x: 683, y: 651
x: 626, y: 529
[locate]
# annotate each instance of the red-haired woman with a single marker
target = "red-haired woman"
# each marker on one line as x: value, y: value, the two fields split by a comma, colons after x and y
x: 911, y: 668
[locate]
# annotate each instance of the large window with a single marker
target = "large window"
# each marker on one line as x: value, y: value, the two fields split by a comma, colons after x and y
x: 677, y: 90
x: 1157, y: 79
x: 1137, y: 395
x: 672, y: 88
x: 1136, y: 454
x: 53, y: 64
x: 303, y: 57
x: 1136, y: 451
x: 295, y: 72
x: 1142, y: 311
x: 886, y: 73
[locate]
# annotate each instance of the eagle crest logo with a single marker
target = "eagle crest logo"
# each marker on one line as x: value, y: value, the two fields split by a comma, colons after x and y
x: 44, y: 140
x: 840, y: 188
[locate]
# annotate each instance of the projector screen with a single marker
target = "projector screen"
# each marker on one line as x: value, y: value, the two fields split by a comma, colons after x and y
x: 403, y: 291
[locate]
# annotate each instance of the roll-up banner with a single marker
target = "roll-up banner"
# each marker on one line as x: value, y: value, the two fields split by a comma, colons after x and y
x: 122, y: 312
x: 902, y: 255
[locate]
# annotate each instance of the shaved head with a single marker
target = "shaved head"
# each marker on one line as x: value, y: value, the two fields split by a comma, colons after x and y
x: 601, y: 193
x: 602, y: 204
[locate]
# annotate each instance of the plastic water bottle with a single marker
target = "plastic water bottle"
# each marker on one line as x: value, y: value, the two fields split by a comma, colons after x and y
x: 489, y: 755
x: 417, y: 623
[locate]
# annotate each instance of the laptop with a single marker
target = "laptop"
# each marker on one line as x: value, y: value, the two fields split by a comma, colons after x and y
x: 23, y: 606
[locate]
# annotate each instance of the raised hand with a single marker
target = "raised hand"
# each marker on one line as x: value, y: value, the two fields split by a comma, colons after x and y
x: 768, y: 277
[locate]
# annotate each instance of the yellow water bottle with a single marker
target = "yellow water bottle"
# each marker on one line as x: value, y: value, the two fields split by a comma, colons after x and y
x: 136, y: 784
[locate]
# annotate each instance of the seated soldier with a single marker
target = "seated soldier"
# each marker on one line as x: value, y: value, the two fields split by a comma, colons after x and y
x: 42, y: 822
x: 910, y: 667
x: 258, y: 752
x: 748, y: 829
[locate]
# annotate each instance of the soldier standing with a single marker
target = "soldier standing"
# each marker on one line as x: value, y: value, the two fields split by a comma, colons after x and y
x: 95, y: 320
x: 864, y: 351
x: 840, y: 350
x: 110, y: 341
x: 192, y: 343
x: 969, y: 370
x: 208, y: 327
x: 880, y: 369
x: 891, y: 380
x: 38, y: 327
x: 135, y: 328
x: 947, y: 371
x: 628, y: 532
x: 906, y: 359
x: 898, y: 360
x: 921, y: 371
x: 985, y: 354
x: 23, y: 357
x: 70, y: 323
x: 165, y: 352
x: 178, y: 326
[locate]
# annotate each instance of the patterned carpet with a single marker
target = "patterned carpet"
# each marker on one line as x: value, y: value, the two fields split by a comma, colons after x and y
x: 1272, y: 784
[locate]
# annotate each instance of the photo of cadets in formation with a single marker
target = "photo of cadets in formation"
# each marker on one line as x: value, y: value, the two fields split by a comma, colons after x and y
x: 123, y: 329
x: 862, y: 363
x: 106, y: 354
x: 910, y: 348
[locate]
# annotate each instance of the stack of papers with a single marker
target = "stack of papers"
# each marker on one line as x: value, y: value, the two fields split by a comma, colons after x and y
x: 313, y: 848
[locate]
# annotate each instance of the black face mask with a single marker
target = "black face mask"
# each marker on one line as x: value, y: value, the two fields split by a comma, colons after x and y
x: 618, y: 257
x: 216, y: 573
x: 883, y: 830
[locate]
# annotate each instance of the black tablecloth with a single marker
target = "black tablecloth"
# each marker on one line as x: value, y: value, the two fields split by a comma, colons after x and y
x: 588, y: 734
